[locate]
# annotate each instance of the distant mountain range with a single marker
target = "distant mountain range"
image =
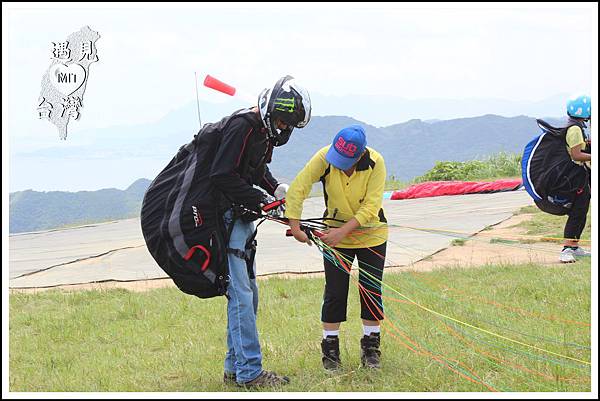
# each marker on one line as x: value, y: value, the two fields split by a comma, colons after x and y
x: 413, y: 147
x: 35, y: 211
x: 115, y: 156
x: 409, y: 149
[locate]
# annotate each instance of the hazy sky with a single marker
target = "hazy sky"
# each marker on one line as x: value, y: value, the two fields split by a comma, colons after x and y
x: 147, y: 57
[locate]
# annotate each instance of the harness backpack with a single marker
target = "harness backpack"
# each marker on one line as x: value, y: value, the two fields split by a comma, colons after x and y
x: 182, y: 217
x: 550, y: 177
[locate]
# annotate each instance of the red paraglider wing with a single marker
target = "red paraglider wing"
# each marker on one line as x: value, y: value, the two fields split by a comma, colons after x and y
x: 441, y: 188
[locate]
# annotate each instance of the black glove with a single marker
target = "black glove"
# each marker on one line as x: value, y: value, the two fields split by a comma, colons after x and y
x: 248, y: 213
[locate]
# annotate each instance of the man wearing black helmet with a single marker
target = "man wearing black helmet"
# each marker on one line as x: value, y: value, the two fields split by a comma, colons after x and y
x: 197, y: 216
x: 240, y: 162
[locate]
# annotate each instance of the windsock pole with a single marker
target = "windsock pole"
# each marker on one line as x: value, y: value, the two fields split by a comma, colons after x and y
x: 197, y: 99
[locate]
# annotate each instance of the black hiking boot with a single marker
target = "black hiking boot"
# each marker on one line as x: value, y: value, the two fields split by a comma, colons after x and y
x: 369, y: 351
x: 330, y: 347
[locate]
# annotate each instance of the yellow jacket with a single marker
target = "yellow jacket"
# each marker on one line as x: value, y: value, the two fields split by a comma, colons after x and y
x: 575, y: 137
x: 359, y: 196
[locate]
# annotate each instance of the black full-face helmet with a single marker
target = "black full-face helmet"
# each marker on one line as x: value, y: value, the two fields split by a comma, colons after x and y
x: 286, y: 101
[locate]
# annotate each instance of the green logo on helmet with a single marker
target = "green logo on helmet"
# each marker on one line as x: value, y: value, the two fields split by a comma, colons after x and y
x: 284, y: 104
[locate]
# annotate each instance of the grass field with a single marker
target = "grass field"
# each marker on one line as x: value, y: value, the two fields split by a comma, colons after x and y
x: 163, y: 340
x: 494, y: 328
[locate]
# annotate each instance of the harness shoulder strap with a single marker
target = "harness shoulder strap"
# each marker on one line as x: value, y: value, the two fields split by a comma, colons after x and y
x: 322, y: 179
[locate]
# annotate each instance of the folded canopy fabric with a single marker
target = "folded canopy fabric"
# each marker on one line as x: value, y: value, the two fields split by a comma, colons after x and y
x: 440, y: 188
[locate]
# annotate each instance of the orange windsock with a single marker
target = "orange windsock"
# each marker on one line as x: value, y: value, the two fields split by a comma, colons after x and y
x: 215, y: 84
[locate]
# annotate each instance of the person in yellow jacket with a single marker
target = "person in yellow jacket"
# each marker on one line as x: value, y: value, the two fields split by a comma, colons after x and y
x: 353, y: 177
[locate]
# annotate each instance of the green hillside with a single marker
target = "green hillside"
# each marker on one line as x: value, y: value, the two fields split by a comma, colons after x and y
x: 36, y: 211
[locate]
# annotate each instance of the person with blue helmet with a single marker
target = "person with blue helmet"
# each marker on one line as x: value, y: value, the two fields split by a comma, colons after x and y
x: 579, y: 112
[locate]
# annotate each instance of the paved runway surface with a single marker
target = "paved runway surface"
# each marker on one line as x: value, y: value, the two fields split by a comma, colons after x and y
x: 116, y: 250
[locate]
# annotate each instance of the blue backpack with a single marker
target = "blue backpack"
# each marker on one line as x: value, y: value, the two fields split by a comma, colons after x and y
x: 550, y: 177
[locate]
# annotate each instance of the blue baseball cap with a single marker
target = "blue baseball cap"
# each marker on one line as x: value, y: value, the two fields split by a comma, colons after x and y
x: 347, y: 147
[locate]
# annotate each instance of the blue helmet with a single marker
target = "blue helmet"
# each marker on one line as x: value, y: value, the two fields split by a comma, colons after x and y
x: 579, y: 107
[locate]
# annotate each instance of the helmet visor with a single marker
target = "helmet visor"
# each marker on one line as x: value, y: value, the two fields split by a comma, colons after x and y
x: 306, y: 105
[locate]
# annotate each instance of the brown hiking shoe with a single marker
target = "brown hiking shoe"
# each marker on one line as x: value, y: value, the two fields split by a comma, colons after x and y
x: 369, y: 351
x: 229, y: 378
x: 330, y: 348
x: 266, y: 378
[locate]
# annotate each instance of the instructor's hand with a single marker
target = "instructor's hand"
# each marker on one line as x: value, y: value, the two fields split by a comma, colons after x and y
x: 301, y: 236
x: 298, y: 233
x: 334, y: 236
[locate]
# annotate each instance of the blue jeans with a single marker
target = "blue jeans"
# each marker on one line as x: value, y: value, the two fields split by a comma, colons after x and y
x: 243, y: 356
